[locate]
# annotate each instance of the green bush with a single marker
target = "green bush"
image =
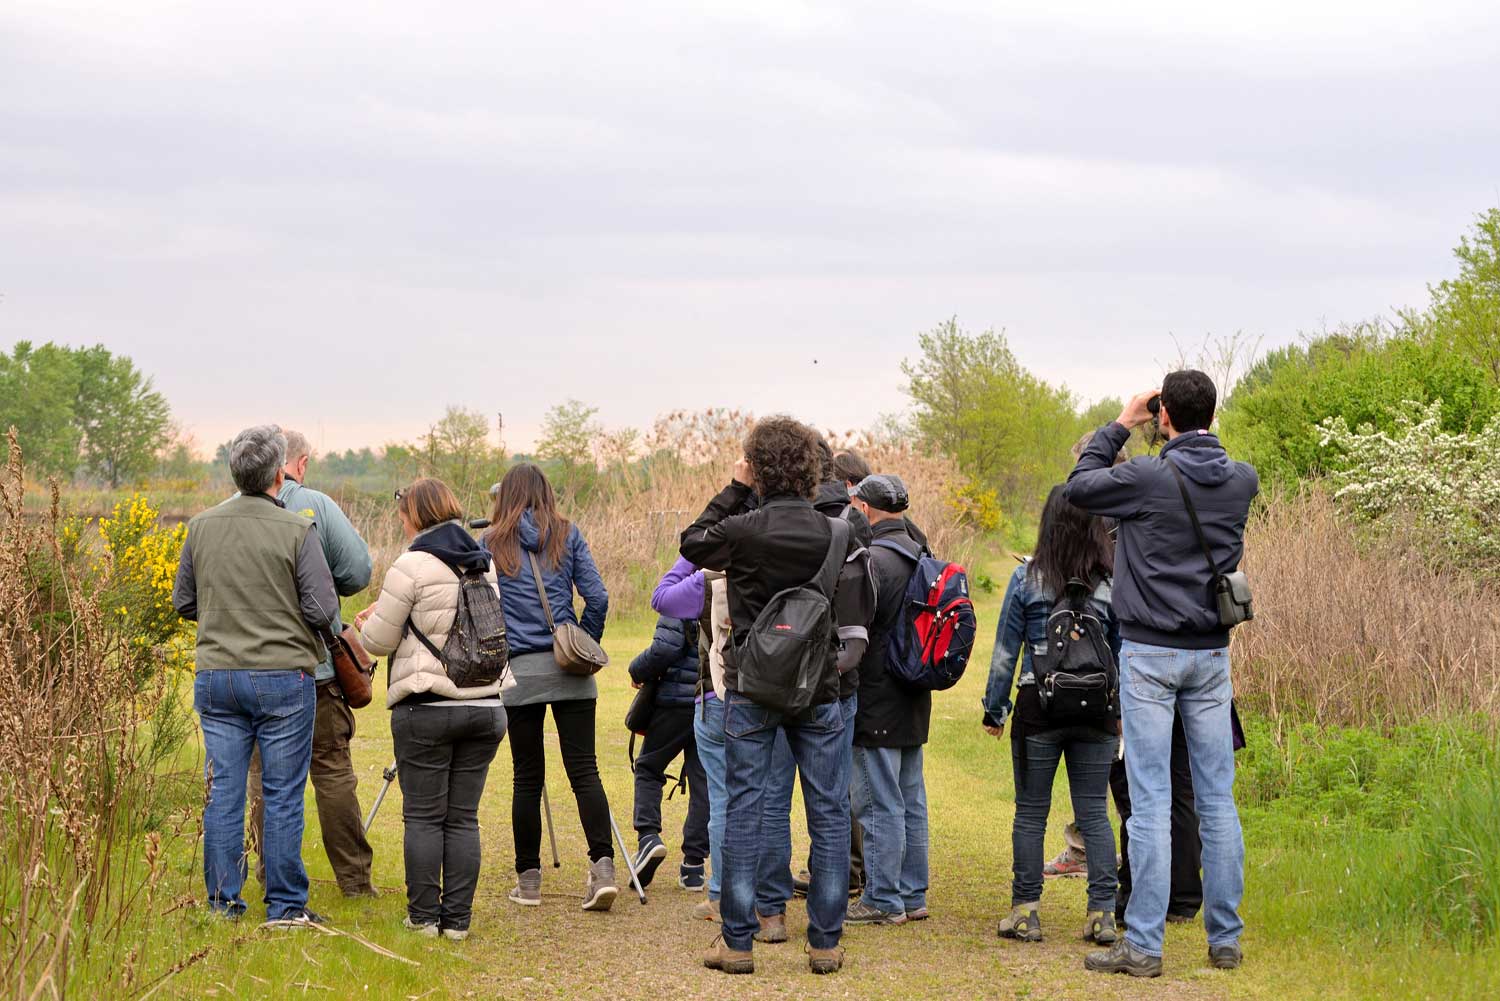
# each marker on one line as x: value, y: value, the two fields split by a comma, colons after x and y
x: 1361, y: 375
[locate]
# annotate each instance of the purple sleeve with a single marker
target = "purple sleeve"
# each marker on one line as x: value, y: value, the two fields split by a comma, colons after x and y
x: 679, y: 593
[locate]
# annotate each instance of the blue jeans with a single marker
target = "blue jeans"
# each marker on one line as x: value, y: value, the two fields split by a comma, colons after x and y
x: 820, y: 749
x: 1089, y: 753
x: 708, y: 731
x: 1155, y: 682
x: 239, y: 711
x: 775, y: 888
x: 890, y: 800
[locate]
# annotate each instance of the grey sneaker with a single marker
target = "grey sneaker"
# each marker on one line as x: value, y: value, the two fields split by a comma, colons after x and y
x: 1100, y: 927
x: 528, y: 889
x: 600, y: 891
x: 455, y: 934
x: 1123, y: 957
x: 1225, y: 957
x: 1024, y: 923
x: 861, y: 913
x: 424, y: 930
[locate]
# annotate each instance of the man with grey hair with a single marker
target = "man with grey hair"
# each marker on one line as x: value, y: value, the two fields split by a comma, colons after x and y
x: 332, y: 769
x: 253, y: 576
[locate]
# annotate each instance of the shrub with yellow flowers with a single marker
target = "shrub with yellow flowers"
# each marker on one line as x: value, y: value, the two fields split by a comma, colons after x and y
x: 138, y: 567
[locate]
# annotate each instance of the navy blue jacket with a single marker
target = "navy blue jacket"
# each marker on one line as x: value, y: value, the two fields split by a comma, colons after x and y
x: 671, y: 659
x: 525, y: 621
x: 1163, y: 591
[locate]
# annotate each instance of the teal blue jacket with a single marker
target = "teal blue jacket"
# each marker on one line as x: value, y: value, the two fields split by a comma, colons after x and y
x: 348, y: 556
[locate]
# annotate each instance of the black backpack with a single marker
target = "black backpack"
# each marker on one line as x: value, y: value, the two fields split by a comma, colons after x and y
x: 476, y: 652
x: 1077, y: 678
x: 787, y: 653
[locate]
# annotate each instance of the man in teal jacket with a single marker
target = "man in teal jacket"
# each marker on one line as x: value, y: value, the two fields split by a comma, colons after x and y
x: 332, y: 771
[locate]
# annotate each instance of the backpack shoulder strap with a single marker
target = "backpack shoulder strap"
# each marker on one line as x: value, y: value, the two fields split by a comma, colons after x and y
x: 828, y: 573
x: 897, y: 547
x: 411, y: 627
x: 1213, y: 568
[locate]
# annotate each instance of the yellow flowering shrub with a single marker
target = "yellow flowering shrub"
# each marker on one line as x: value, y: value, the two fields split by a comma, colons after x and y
x: 139, y: 566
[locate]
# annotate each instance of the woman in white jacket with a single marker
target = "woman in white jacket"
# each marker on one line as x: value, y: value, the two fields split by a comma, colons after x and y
x: 445, y: 736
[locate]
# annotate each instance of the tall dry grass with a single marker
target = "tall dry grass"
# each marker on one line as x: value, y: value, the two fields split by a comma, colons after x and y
x: 633, y: 511
x: 634, y: 518
x: 1358, y: 633
x: 78, y: 776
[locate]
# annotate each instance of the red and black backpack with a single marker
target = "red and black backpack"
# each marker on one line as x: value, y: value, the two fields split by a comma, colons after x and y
x: 931, y: 642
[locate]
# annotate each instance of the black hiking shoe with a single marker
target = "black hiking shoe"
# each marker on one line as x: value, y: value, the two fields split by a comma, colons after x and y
x: 1123, y: 957
x: 648, y: 858
x: 1225, y: 957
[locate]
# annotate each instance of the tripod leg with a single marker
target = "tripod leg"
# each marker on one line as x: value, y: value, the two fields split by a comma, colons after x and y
x: 390, y: 776
x: 551, y: 831
x: 635, y: 881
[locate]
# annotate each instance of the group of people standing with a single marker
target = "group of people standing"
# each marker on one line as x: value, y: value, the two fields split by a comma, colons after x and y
x: 262, y: 574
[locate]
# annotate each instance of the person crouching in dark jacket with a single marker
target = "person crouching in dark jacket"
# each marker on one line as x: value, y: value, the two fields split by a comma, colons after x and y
x: 671, y: 664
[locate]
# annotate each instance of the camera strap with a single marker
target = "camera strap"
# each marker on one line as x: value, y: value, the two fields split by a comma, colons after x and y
x: 1213, y: 568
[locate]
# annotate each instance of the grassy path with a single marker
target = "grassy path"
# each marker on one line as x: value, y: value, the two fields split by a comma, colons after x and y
x: 652, y: 952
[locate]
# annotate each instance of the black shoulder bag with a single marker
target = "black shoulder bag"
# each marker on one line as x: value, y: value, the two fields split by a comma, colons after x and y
x: 1231, y: 590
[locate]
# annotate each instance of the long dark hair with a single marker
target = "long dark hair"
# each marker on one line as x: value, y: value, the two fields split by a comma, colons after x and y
x: 1071, y: 543
x: 525, y: 488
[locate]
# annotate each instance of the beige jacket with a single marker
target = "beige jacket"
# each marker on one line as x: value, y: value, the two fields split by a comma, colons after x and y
x: 419, y: 587
x: 718, y: 589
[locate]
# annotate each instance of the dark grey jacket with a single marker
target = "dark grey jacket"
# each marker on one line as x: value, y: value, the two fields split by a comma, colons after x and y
x: 1163, y: 592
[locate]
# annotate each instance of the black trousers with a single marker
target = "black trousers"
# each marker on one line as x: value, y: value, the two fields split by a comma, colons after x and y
x: 575, y: 732
x: 443, y: 755
x: 1187, y: 850
x: 671, y: 734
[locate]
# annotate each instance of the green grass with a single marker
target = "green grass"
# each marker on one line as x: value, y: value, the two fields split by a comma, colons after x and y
x: 1300, y: 940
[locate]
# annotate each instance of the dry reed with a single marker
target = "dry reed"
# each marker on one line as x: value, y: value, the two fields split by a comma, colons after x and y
x: 1355, y: 633
x: 77, y: 767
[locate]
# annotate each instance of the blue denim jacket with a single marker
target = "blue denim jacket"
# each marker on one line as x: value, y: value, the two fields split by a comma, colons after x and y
x: 1023, y: 627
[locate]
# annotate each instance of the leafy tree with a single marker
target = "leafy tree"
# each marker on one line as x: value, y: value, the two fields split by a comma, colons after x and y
x: 457, y: 450
x: 569, y: 432
x: 975, y: 402
x: 123, y: 420
x: 1361, y: 374
x: 38, y: 388
x: 1466, y: 310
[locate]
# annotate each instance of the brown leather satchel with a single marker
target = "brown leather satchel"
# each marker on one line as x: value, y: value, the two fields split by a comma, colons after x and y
x: 575, y: 651
x: 353, y: 668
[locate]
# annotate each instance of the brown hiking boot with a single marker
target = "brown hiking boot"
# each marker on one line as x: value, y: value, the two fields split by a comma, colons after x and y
x: 1122, y: 957
x: 1023, y: 923
x: 772, y: 929
x: 726, y: 960
x: 707, y: 910
x: 825, y: 960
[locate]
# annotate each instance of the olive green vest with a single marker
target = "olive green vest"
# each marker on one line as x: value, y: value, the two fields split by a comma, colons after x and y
x: 245, y: 571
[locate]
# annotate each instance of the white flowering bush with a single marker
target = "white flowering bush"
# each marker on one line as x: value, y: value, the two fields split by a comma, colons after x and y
x: 1423, y: 482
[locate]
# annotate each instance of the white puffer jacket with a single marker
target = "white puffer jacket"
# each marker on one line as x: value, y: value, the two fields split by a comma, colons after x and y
x: 419, y: 587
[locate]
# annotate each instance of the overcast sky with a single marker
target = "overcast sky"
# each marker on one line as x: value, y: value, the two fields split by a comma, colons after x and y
x: 345, y: 219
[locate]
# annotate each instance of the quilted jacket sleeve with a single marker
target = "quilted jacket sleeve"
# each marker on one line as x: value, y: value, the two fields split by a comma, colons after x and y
x: 590, y: 585
x: 665, y: 651
x: 382, y: 631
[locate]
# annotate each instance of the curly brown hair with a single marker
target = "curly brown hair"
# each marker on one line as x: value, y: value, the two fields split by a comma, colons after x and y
x: 784, y: 456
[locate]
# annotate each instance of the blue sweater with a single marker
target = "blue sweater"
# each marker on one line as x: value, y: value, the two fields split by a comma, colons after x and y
x: 525, y: 619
